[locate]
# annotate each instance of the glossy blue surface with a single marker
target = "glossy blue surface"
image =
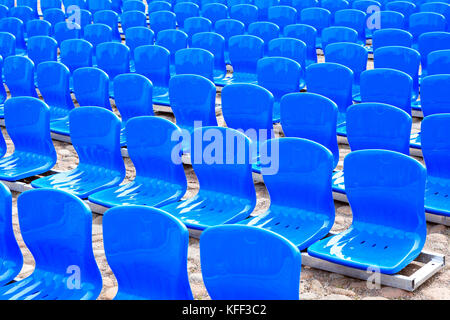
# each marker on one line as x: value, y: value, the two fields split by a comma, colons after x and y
x: 162, y: 20
x: 406, y: 8
x: 282, y: 15
x: 138, y: 36
x: 54, y: 16
x: 2, y: 86
x: 289, y: 48
x: 97, y: 5
x: 319, y: 18
x: 307, y: 34
x: 387, y: 19
x: 224, y: 172
x: 439, y: 62
x: 422, y: 22
x: 214, y: 43
x: 434, y: 94
x: 172, y: 40
x: 133, y: 18
x: 184, y: 10
x: 195, y: 25
x: 391, y: 37
x: 48, y: 4
x: 65, y: 31
x: 33, y: 4
x: 245, y: 13
x: 110, y: 18
x: 154, y: 6
x: 113, y: 58
x: 338, y: 34
x: 249, y: 263
x: 95, y: 135
x: 265, y: 30
x: 159, y: 179
x: 263, y: 8
x: 280, y: 76
x: 57, y: 229
x: 37, y: 27
x: 27, y: 122
x: 214, y: 12
x: 7, y: 44
x: 429, y: 42
x: 386, y: 191
x: 147, y: 250
x: 76, y: 53
x: 195, y: 61
x: 41, y: 49
x: 16, y: 28
x: 19, y: 76
x: 228, y: 28
x: 311, y: 116
x: 23, y: 13
x: 131, y: 5
x: 438, y: 7
x: 97, y: 33
x: 352, y: 18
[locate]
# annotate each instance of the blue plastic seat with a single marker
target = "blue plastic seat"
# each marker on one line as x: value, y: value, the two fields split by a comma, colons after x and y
x: 98, y: 5
x: 215, y: 12
x: 386, y: 193
x: 386, y: 19
x: 133, y: 18
x: 406, y: 8
x: 2, y: 100
x: 338, y: 34
x: 233, y: 261
x: 245, y: 13
x: 27, y: 122
x: 153, y: 62
x: 195, y: 25
x: 366, y: 6
x: 311, y: 116
x: 159, y: 180
x: 301, y: 217
x: 82, y: 4
x: 23, y: 13
x: 245, y: 51
x: 265, y: 30
x: 95, y: 135
x: 229, y: 28
x: 333, y: 6
x: 354, y: 19
x: 192, y: 99
x: 65, y: 30
x: 60, y: 249
x: 352, y: 56
x: 227, y: 194
x: 338, y: 86
x: 37, y: 27
x: 231, y: 3
x: 422, y: 22
x: 434, y: 94
x: 131, y: 5
x: 172, y: 40
x: 263, y: 8
x: 42, y: 48
x: 435, y: 145
x: 158, y: 6
x: 391, y: 37
x: 33, y: 4
x: 8, y: 3
x: 184, y: 10
x: 113, y: 58
x: 162, y: 20
x: 214, y: 43
x: 437, y: 7
x: 53, y: 82
x: 280, y: 76
x: 289, y: 48
x: 299, y: 5
x: 3, y: 11
x: 307, y: 34
x: 97, y: 33
x: 76, y: 53
x: 85, y: 19
x: 19, y: 76
x: 168, y: 260
x: 195, y: 61
x: 54, y: 16
x: 110, y: 18
x: 138, y: 36
x: 16, y: 28
x: 319, y: 18
x: 438, y: 62
x: 7, y: 44
x: 429, y: 42
x: 400, y: 58
x: 49, y: 4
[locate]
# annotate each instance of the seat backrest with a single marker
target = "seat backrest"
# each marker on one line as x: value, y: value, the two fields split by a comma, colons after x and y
x: 192, y: 99
x: 282, y: 15
x: 338, y: 34
x: 2, y: 100
x: 33, y: 4
x: 422, y: 22
x: 97, y: 5
x: 214, y: 43
x: 319, y: 18
x: 243, y: 262
x: 19, y: 76
x: 215, y: 12
x: 388, y: 86
x: 138, y: 236
x: 172, y: 40
x: 7, y: 44
x: 138, y: 36
x: 439, y: 62
x: 434, y: 96
x: 76, y: 53
x: 351, y: 55
x: 386, y: 192
x: 48, y: 4
x: 57, y: 229
x: 289, y: 48
x: 245, y: 51
x: 378, y: 126
x: 299, y: 5
x: 153, y: 61
x: 95, y: 136
x: 113, y: 58
x: 54, y: 15
x: 65, y: 30
x: 162, y: 20
x: 391, y: 37
x: 27, y: 122
x: 97, y: 33
x: 91, y: 87
x: 364, y: 5
x: 265, y: 30
x: 246, y: 13
x: 16, y: 27
x: 42, y: 48
x: 37, y: 27
x: 195, y: 61
x: 195, y: 25
x: 53, y: 82
x: 23, y: 13
x: 263, y: 8
x: 158, y: 6
x: 432, y: 41
x: 133, y: 18
x: 352, y: 18
x: 334, y: 5
x: 386, y: 19
x: 184, y: 10
x: 406, y: 8
x: 437, y: 7
x: 110, y: 18
x: 310, y: 116
x: 337, y: 86
x: 130, y: 5
x: 305, y: 33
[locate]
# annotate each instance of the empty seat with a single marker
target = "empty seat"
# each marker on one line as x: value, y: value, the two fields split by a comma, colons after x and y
x: 195, y: 25
x: 131, y: 5
x: 214, y: 43
x: 193, y: 102
x: 338, y: 34
x: 2, y: 100
x: 429, y: 42
x: 159, y: 179
x: 27, y: 122
x: 434, y: 94
x: 62, y: 251
x: 422, y: 22
x: 229, y: 28
x: 437, y: 7
x: 158, y: 6
x: 8, y: 3
x: 42, y: 48
x: 54, y: 16
x: 282, y: 15
x: 98, y: 5
x: 19, y: 76
x: 231, y: 3
x: 16, y: 28
x: 406, y: 8
x: 386, y: 19
x: 3, y: 11
x: 65, y: 30
x: 152, y: 61
x: 33, y: 4
x: 354, y: 19
x: 7, y: 44
x: 338, y: 86
x: 214, y: 12
x: 289, y: 48
x: 95, y: 135
x: 263, y: 8
x: 162, y: 20
x: 184, y: 10
x: 53, y: 82
x: 438, y: 62
x: 172, y: 40
x: 299, y: 5
x: 23, y: 13
x: 307, y: 34
x: 133, y: 18
x: 113, y: 58
x: 227, y: 194
x: 85, y: 19
x: 97, y: 33
x: 236, y: 249
x: 265, y: 30
x: 110, y: 18
x: 333, y: 6
x: 245, y: 13
x: 138, y: 36
x: 37, y: 27
x: 391, y: 37
x: 386, y: 192
x: 76, y: 53
x: 195, y: 61
x: 280, y: 76
x: 79, y: 3
x: 167, y: 259
x: 49, y: 4
x: 319, y: 18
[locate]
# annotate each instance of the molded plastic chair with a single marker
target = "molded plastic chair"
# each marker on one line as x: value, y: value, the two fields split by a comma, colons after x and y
x: 265, y: 30
x: 85, y: 19
x: 192, y: 99
x: 231, y: 3
x: 3, y: 11
x: 2, y: 100
x: 23, y: 13
x: 299, y: 5
x: 158, y: 6
x: 307, y: 34
x: 235, y: 264
x: 113, y: 58
x: 7, y: 44
x: 422, y: 22
x: 57, y: 229
x: 386, y: 192
x: 406, y: 8
x: 229, y: 28
x: 37, y: 27
x: 195, y: 61
x: 65, y: 30
x: 54, y: 16
x: 41, y: 49
x: 354, y: 19
x: 435, y: 145
x: 19, y: 76
x: 27, y: 122
x: 131, y: 5
x: 33, y: 4
x: 8, y: 3
x: 162, y: 20
x: 280, y: 76
x: 282, y: 15
x: 227, y: 194
x: 53, y: 82
x: 133, y: 18
x: 311, y: 116
x: 319, y: 18
x: 214, y: 43
x: 172, y: 40
x: 95, y: 135
x: 138, y: 36
x: 215, y: 12
x: 301, y: 201
x: 438, y: 62
x: 16, y: 28
x: 429, y: 42
x: 76, y: 53
x: 148, y: 230
x: 98, y: 5
x: 434, y: 94
x: 110, y: 18
x: 391, y: 37
x: 437, y: 7
x: 338, y: 34
x: 184, y: 10
x: 49, y: 4
x: 245, y: 13
x: 289, y: 48
x: 97, y: 33
x: 195, y: 25
x: 263, y: 8
x: 159, y: 180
